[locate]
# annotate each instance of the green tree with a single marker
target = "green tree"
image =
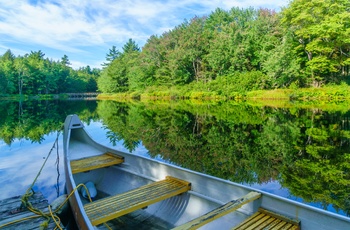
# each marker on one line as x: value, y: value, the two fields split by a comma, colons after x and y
x: 34, y: 74
x: 115, y: 78
x: 322, y: 29
x: 22, y: 69
x: 89, y: 77
x: 117, y: 73
x: 232, y: 41
x: 111, y: 56
x: 219, y: 49
x: 244, y: 45
x: 192, y: 45
x: 167, y: 43
x: 306, y: 44
x: 130, y: 47
x: 65, y: 60
x: 7, y: 73
x: 35, y: 77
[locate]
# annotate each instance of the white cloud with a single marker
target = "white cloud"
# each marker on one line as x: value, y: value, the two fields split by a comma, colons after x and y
x: 79, y: 26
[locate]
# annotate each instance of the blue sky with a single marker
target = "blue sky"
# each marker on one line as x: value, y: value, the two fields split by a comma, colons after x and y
x: 85, y: 30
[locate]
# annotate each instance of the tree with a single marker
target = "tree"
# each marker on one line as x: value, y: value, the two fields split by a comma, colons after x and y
x: 65, y: 60
x: 34, y: 74
x: 322, y: 29
x: 151, y: 59
x: 276, y: 56
x: 115, y: 77
x: 36, y: 55
x: 22, y: 72
x: 232, y: 42
x: 49, y: 80
x: 244, y: 41
x: 7, y: 73
x: 130, y: 47
x: 179, y: 69
x: 118, y: 73
x: 89, y: 77
x: 35, y: 78
x: 192, y: 43
x: 111, y: 56
x: 219, y: 49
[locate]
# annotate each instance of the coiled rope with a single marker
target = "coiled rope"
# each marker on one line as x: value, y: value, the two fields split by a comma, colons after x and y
x: 50, y: 214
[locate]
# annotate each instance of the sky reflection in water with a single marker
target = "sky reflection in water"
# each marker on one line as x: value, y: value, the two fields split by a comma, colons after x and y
x: 21, y: 161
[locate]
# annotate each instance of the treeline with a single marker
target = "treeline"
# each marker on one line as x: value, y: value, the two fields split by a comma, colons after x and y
x: 306, y: 44
x: 33, y: 74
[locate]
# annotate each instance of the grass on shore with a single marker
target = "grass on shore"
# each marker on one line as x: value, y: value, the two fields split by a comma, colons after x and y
x: 327, y: 93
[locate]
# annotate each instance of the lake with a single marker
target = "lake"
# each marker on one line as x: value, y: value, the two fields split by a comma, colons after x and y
x: 301, y: 152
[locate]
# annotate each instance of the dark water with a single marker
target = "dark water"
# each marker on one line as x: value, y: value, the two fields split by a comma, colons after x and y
x: 301, y: 154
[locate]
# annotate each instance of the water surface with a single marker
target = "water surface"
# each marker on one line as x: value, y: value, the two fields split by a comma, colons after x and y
x: 301, y: 154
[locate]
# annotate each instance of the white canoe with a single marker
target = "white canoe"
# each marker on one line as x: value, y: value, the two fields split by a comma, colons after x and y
x: 134, y: 192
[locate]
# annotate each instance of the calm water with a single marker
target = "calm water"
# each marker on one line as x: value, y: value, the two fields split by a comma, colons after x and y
x: 301, y: 154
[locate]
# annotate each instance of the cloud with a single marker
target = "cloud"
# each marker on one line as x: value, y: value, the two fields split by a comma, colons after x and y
x: 78, y: 27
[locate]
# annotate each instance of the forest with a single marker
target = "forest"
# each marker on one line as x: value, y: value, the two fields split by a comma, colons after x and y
x: 307, y: 44
x: 33, y: 74
x: 228, y: 52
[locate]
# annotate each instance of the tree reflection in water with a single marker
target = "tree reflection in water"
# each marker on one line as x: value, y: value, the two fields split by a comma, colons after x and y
x: 306, y: 150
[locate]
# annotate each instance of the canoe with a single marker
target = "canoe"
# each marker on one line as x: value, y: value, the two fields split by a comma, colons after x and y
x: 128, y: 191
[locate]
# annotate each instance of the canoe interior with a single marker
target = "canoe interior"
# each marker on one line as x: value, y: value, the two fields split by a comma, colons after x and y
x: 162, y: 215
x: 134, y: 173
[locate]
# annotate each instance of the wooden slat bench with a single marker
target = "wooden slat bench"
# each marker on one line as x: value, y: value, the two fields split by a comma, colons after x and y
x: 219, y: 212
x: 95, y: 162
x: 103, y: 210
x: 264, y: 219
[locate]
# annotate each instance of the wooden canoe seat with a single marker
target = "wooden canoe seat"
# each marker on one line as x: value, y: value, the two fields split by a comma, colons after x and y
x: 95, y: 162
x: 264, y: 219
x: 108, y: 208
x: 219, y: 212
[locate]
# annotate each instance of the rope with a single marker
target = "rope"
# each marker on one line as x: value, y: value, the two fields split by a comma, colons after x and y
x: 51, y: 214
x: 25, y: 198
x: 48, y: 155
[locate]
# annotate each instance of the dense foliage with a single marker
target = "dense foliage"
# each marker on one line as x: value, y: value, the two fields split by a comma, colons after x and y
x: 306, y: 44
x: 34, y: 74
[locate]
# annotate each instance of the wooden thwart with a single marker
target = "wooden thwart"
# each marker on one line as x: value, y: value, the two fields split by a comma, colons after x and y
x: 103, y: 210
x: 219, y: 212
x: 95, y: 162
x: 264, y: 219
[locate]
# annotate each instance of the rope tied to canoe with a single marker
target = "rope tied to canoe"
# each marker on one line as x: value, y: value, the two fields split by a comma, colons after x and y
x: 51, y: 214
x: 25, y: 198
